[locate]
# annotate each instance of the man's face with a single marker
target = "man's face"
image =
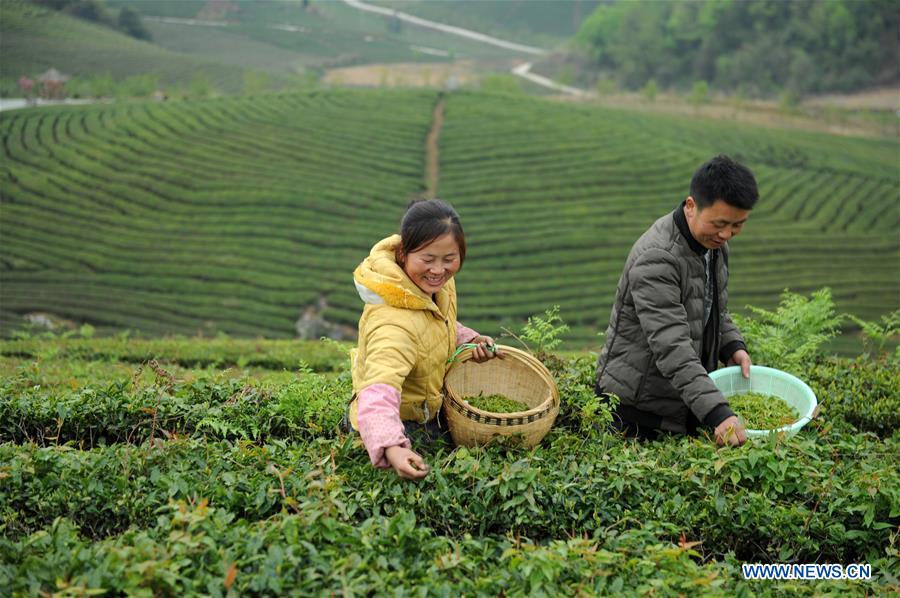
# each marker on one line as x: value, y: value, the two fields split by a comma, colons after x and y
x: 716, y: 224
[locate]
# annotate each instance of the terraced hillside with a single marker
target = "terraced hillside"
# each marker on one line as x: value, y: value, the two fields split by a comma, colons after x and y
x: 33, y: 39
x: 242, y: 215
x: 231, y: 215
x: 554, y: 196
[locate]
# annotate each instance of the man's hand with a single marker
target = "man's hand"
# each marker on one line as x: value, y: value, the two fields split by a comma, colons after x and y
x: 741, y: 358
x: 408, y: 464
x: 485, y: 350
x: 730, y: 432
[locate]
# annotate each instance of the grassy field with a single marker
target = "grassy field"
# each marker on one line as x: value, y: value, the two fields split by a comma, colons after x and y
x: 240, y: 215
x: 323, y: 35
x: 545, y: 23
x: 280, y: 39
x: 217, y: 44
x: 34, y: 39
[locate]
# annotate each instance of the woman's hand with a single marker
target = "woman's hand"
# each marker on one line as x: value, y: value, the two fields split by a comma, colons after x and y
x: 408, y: 464
x: 485, y: 350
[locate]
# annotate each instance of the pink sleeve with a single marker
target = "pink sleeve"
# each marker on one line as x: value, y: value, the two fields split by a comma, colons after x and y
x: 378, y: 418
x: 463, y: 334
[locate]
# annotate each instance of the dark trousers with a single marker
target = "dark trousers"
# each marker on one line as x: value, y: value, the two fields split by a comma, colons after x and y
x: 429, y: 432
x: 636, y: 423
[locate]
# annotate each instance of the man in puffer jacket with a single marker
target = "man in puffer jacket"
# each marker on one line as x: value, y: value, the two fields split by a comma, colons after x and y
x: 669, y: 325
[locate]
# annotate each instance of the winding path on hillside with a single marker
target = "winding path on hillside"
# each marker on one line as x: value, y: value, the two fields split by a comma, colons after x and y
x: 467, y: 33
x: 522, y: 70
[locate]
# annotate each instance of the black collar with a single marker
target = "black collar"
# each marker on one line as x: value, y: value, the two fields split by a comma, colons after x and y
x: 682, y: 224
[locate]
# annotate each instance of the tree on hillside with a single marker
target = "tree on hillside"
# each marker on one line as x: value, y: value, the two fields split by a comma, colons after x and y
x: 88, y: 10
x: 95, y: 11
x: 768, y: 46
x: 130, y: 23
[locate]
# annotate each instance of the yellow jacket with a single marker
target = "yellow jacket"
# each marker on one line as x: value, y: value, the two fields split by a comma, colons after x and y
x: 405, y: 337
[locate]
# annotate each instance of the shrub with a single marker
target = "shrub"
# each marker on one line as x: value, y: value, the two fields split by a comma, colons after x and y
x: 502, y: 84
x: 543, y: 332
x: 876, y: 336
x: 130, y: 22
x: 314, y: 405
x: 789, y: 338
x: 581, y: 410
x: 699, y: 93
x: 121, y: 412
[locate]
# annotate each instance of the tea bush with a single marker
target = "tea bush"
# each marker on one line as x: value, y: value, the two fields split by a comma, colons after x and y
x: 204, y: 550
x: 218, y: 352
x: 127, y: 412
x: 100, y: 416
x: 863, y: 392
x: 223, y: 486
x: 803, y: 498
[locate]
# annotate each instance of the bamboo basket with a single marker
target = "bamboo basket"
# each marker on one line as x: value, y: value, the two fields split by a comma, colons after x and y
x: 518, y: 376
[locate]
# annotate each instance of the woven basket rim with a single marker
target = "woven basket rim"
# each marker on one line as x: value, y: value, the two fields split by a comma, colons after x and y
x: 532, y: 415
x: 541, y: 410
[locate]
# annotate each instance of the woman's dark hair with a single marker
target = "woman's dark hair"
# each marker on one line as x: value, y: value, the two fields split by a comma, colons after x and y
x: 424, y: 221
x: 723, y: 178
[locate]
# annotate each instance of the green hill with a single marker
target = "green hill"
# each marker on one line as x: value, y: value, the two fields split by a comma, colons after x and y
x: 322, y: 34
x: 34, y: 39
x: 545, y: 23
x: 243, y: 214
x: 284, y: 40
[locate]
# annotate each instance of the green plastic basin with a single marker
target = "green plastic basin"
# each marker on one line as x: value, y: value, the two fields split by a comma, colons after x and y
x: 769, y: 381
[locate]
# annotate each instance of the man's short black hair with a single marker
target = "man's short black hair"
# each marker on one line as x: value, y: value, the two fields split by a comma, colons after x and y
x: 723, y: 178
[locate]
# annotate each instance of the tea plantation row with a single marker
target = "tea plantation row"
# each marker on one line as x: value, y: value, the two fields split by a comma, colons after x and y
x: 559, y: 194
x: 240, y: 215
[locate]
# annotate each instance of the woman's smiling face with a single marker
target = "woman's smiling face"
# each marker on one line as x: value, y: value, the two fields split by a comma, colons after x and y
x: 431, y: 266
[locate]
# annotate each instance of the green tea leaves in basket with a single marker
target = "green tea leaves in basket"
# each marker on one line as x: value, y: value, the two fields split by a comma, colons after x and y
x: 496, y: 404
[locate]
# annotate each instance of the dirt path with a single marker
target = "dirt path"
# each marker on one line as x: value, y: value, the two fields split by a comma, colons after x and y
x: 432, y: 150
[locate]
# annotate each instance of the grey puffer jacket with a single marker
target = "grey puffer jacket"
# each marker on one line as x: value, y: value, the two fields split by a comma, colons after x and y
x: 653, y: 357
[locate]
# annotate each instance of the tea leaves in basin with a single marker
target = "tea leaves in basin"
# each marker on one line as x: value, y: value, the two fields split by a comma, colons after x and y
x: 763, y: 412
